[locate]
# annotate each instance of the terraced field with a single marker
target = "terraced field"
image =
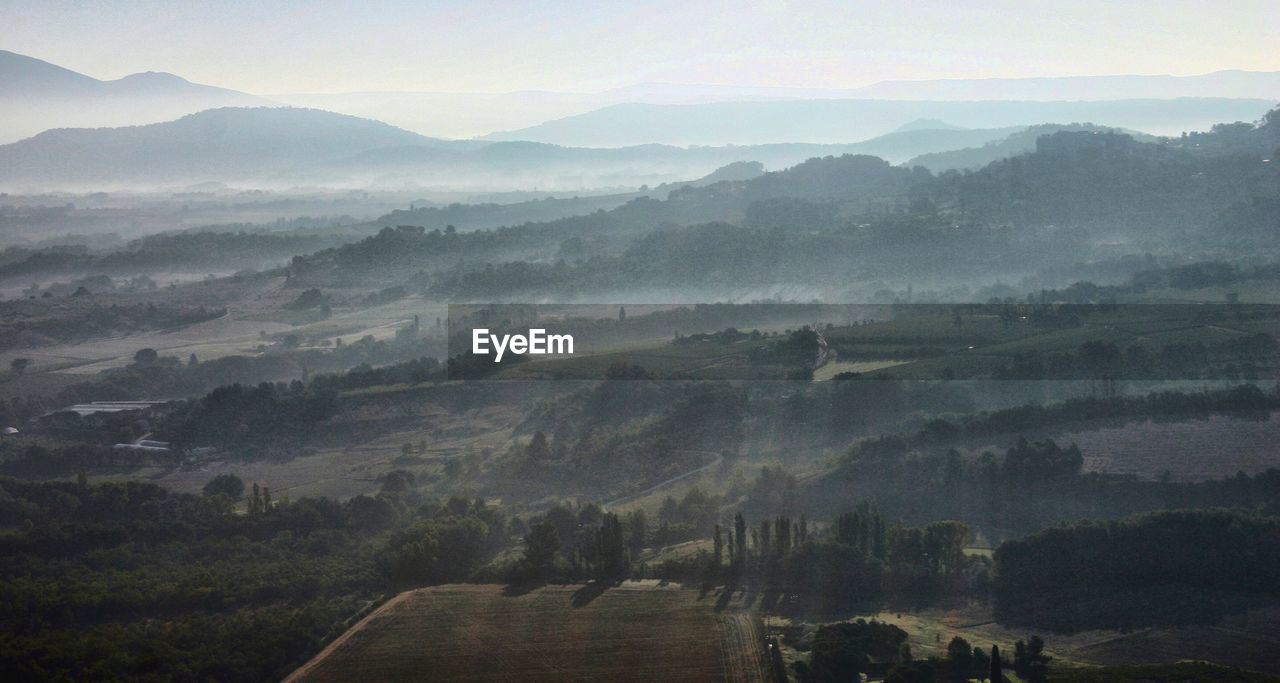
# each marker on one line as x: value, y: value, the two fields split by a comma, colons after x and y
x: 640, y: 631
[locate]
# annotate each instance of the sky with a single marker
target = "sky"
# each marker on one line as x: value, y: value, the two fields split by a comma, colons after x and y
x: 325, y: 46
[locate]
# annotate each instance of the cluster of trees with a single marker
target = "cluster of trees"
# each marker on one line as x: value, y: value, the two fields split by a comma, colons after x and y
x: 693, y: 516
x: 1244, y: 398
x: 847, y: 650
x: 857, y: 559
x: 79, y: 318
x: 568, y: 544
x: 212, y: 249
x: 1028, y: 487
x: 89, y: 572
x: 615, y: 438
x: 447, y: 543
x: 1174, y: 567
x: 252, y: 420
x: 1248, y: 357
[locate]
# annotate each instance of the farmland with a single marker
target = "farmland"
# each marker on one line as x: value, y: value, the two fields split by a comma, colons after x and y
x: 637, y: 631
x: 1191, y: 449
x: 1245, y: 640
x: 1015, y: 341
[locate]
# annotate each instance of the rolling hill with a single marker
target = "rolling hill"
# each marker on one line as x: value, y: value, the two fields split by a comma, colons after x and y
x: 214, y: 145
x: 39, y: 96
x: 834, y: 121
x: 271, y: 147
x: 1020, y: 142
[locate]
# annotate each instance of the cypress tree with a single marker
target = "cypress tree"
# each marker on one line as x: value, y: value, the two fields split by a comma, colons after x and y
x: 997, y: 675
x: 718, y: 556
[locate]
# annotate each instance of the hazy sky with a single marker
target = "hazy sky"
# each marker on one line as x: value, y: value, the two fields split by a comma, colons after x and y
x: 336, y: 46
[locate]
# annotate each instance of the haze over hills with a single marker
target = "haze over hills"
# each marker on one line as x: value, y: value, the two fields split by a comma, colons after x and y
x: 472, y: 114
x: 229, y: 143
x: 39, y: 96
x: 555, y: 167
x: 283, y: 147
x: 825, y: 121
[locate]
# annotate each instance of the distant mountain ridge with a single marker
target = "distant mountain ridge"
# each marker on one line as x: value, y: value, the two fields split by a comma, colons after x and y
x: 218, y: 144
x: 38, y: 96
x: 835, y: 120
x: 479, y: 114
x: 285, y: 147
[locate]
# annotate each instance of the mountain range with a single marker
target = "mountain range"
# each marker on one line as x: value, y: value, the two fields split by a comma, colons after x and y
x: 828, y: 121
x: 38, y: 96
x: 285, y: 147
x: 473, y: 114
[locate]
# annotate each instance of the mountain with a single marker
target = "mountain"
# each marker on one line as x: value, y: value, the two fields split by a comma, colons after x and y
x: 219, y: 144
x: 926, y: 124
x: 475, y: 114
x: 522, y: 164
x: 1020, y: 142
x: 274, y: 147
x: 38, y: 96
x: 834, y: 121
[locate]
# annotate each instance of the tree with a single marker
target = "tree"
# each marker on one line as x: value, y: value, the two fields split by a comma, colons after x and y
x: 146, y: 356
x: 717, y: 557
x: 1029, y: 660
x: 538, y: 449
x: 959, y: 659
x: 612, y: 563
x: 225, y: 485
x: 740, y: 532
x: 997, y: 673
x: 398, y: 481
x: 19, y: 365
x: 540, y: 547
x: 637, y: 532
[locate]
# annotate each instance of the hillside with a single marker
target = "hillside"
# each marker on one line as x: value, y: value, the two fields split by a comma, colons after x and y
x: 219, y: 144
x: 1019, y: 142
x: 39, y: 96
x: 271, y: 147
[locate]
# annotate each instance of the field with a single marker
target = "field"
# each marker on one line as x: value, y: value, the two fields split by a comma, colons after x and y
x: 378, y: 430
x: 635, y: 632
x: 1247, y: 640
x: 1198, y: 449
x: 934, y: 344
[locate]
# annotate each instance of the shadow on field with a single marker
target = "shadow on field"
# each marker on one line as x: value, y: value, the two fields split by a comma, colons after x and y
x: 583, y: 596
x: 726, y: 595
x: 516, y: 589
